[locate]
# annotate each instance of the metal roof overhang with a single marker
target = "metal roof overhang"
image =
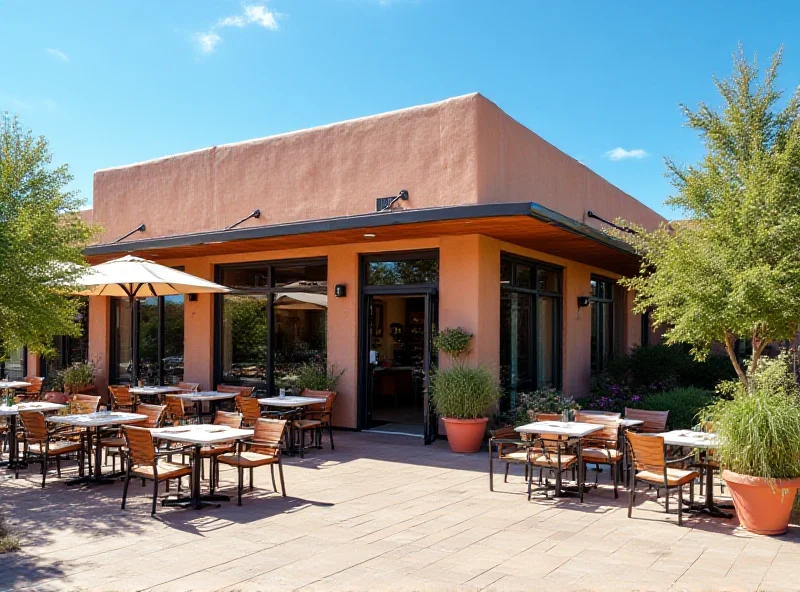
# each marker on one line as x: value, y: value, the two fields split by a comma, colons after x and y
x: 525, y: 224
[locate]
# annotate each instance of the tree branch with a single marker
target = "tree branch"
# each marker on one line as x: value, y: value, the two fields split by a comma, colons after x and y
x: 730, y: 339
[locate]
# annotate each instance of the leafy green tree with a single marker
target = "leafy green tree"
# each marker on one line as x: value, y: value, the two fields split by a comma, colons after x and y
x: 731, y: 269
x: 41, y: 241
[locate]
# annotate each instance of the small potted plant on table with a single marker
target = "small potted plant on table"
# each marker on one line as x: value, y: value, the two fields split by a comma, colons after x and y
x: 759, y: 446
x: 462, y: 394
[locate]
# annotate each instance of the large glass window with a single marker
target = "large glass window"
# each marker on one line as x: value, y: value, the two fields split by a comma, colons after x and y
x: 70, y: 350
x: 601, y: 298
x: 15, y: 365
x: 275, y: 320
x: 530, y: 326
x: 160, y: 323
x: 401, y: 270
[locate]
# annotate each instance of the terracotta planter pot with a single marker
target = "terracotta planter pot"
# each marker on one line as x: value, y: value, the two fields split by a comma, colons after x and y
x: 761, y: 509
x: 465, y: 435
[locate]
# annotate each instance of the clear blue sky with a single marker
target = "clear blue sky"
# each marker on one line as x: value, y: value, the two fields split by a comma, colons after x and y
x: 111, y: 83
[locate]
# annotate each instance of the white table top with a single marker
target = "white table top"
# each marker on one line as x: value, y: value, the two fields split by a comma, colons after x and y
x: 88, y: 420
x: 13, y: 384
x: 33, y: 406
x: 629, y: 423
x: 690, y: 439
x: 201, y: 434
x: 154, y: 390
x: 205, y: 396
x: 291, y: 401
x: 572, y: 429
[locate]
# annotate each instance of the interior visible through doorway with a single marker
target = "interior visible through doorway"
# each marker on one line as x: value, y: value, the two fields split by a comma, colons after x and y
x: 396, y: 364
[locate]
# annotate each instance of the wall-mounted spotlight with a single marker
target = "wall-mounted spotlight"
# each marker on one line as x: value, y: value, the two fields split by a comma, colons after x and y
x: 583, y: 301
x: 384, y: 204
x: 340, y: 290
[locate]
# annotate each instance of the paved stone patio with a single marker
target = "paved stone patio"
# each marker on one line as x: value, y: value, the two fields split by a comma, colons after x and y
x: 378, y: 513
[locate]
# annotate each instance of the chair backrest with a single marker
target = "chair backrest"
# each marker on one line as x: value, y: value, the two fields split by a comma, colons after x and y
x: 189, y: 387
x: 608, y: 436
x: 155, y: 415
x: 325, y: 408
x: 120, y: 396
x: 227, y: 418
x: 611, y: 414
x: 175, y: 409
x: 141, y: 448
x: 82, y: 404
x: 267, y: 436
x: 548, y: 417
x: 647, y: 452
x: 34, y: 424
x: 250, y: 409
x: 244, y: 391
x: 654, y: 421
x: 505, y: 433
x: 36, y: 386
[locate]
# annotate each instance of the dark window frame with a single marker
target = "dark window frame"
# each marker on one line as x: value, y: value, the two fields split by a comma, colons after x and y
x: 113, y: 374
x: 535, y: 293
x: 269, y: 290
x: 599, y: 363
x: 387, y: 256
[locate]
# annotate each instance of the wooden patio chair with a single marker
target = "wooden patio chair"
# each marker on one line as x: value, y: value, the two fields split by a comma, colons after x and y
x: 188, y: 387
x: 116, y: 444
x: 121, y: 398
x: 553, y: 453
x: 655, y: 422
x: 176, y: 411
x: 81, y: 404
x: 250, y: 409
x: 42, y: 444
x: 221, y: 418
x: 148, y: 464
x: 610, y: 414
x: 602, y: 447
x: 652, y: 467
x: 263, y: 449
x: 510, y: 447
x: 35, y: 391
x: 316, y: 417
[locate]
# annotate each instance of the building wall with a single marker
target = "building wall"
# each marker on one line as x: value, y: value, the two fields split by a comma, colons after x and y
x: 469, y: 297
x: 463, y: 150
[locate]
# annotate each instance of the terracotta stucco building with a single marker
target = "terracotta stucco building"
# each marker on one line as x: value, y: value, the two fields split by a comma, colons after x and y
x: 494, y: 237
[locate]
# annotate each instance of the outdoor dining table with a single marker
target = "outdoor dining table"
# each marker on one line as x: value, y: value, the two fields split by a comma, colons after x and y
x: 98, y: 421
x: 199, y: 436
x: 294, y: 406
x: 700, y: 441
x: 154, y: 391
x: 213, y: 397
x: 6, y: 385
x: 572, y: 430
x: 12, y: 412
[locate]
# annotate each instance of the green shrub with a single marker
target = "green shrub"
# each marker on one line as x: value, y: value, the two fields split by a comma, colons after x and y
x: 316, y: 377
x: 8, y: 541
x: 542, y: 400
x: 78, y: 376
x: 464, y: 392
x: 453, y: 342
x: 759, y: 430
x: 684, y: 405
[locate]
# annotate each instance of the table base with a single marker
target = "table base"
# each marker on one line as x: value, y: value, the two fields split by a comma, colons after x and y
x: 104, y: 479
x: 205, y: 501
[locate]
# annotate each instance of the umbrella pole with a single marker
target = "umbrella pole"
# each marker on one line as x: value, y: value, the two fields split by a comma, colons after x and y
x: 134, y: 343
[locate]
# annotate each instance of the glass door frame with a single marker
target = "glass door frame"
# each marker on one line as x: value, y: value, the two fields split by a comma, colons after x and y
x: 430, y: 292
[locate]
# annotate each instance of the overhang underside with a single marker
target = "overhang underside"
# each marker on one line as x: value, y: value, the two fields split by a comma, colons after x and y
x: 526, y: 225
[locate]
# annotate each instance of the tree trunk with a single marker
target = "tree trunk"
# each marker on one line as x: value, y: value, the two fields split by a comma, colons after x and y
x: 729, y: 342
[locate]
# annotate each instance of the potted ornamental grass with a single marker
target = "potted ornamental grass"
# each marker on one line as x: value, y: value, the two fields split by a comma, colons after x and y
x: 462, y: 394
x: 78, y: 378
x: 759, y: 448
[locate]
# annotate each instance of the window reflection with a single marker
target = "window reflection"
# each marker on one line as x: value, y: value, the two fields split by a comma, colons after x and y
x: 244, y: 339
x: 173, y: 340
x: 402, y: 271
x: 122, y: 341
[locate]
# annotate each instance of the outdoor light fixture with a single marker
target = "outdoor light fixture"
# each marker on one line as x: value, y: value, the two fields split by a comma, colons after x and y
x: 384, y: 204
x: 369, y: 235
x: 340, y: 291
x: 253, y: 214
x: 140, y: 228
x: 583, y: 301
x: 192, y: 297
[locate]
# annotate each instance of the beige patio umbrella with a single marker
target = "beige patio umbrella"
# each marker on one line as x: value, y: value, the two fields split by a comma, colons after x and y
x: 134, y: 277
